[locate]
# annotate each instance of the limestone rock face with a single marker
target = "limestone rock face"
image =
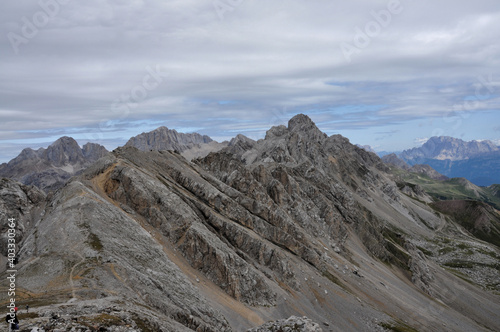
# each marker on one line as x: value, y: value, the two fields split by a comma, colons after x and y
x: 96, y: 250
x: 50, y: 168
x: 21, y: 203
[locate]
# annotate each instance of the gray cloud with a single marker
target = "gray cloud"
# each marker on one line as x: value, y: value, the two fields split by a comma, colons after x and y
x: 235, y: 74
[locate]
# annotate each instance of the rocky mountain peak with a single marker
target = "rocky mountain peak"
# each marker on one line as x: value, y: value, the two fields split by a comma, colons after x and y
x: 50, y: 168
x: 276, y: 131
x: 301, y: 123
x: 93, y: 151
x: 63, y: 151
x: 238, y: 139
x: 163, y: 138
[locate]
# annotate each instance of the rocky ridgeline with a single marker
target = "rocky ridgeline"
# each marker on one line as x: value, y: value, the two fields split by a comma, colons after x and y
x: 163, y: 139
x: 298, y: 223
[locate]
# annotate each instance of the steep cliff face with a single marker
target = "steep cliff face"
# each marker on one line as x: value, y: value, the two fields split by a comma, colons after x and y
x: 21, y: 203
x: 296, y: 224
x: 50, y: 168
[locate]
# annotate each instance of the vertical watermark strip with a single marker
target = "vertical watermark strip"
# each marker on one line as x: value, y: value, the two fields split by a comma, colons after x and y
x: 11, y: 263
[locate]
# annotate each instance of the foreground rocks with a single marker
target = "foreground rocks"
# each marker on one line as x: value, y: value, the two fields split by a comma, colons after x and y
x: 292, y: 324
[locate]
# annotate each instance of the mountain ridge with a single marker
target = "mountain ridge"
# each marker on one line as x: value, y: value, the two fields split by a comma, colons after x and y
x: 478, y: 161
x: 298, y: 223
x: 163, y: 138
x: 448, y: 148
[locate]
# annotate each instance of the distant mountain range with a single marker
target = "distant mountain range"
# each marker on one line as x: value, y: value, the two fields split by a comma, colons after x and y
x: 478, y: 161
x: 449, y: 148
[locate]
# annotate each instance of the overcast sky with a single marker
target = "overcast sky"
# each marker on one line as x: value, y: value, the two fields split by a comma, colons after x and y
x: 385, y: 73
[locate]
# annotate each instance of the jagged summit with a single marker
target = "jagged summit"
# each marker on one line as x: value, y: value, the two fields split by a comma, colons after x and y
x: 64, y: 151
x: 240, y: 138
x: 163, y: 138
x: 303, y: 124
x: 300, y: 124
x: 50, y: 168
x: 301, y: 121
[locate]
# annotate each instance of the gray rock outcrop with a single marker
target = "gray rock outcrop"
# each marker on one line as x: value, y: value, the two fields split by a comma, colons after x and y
x: 163, y: 138
x: 22, y: 203
x: 292, y: 324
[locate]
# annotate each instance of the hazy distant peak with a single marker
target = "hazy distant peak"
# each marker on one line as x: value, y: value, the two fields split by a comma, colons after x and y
x: 50, y: 168
x: 449, y: 148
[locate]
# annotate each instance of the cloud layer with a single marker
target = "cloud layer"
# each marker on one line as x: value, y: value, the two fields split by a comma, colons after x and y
x: 106, y: 70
